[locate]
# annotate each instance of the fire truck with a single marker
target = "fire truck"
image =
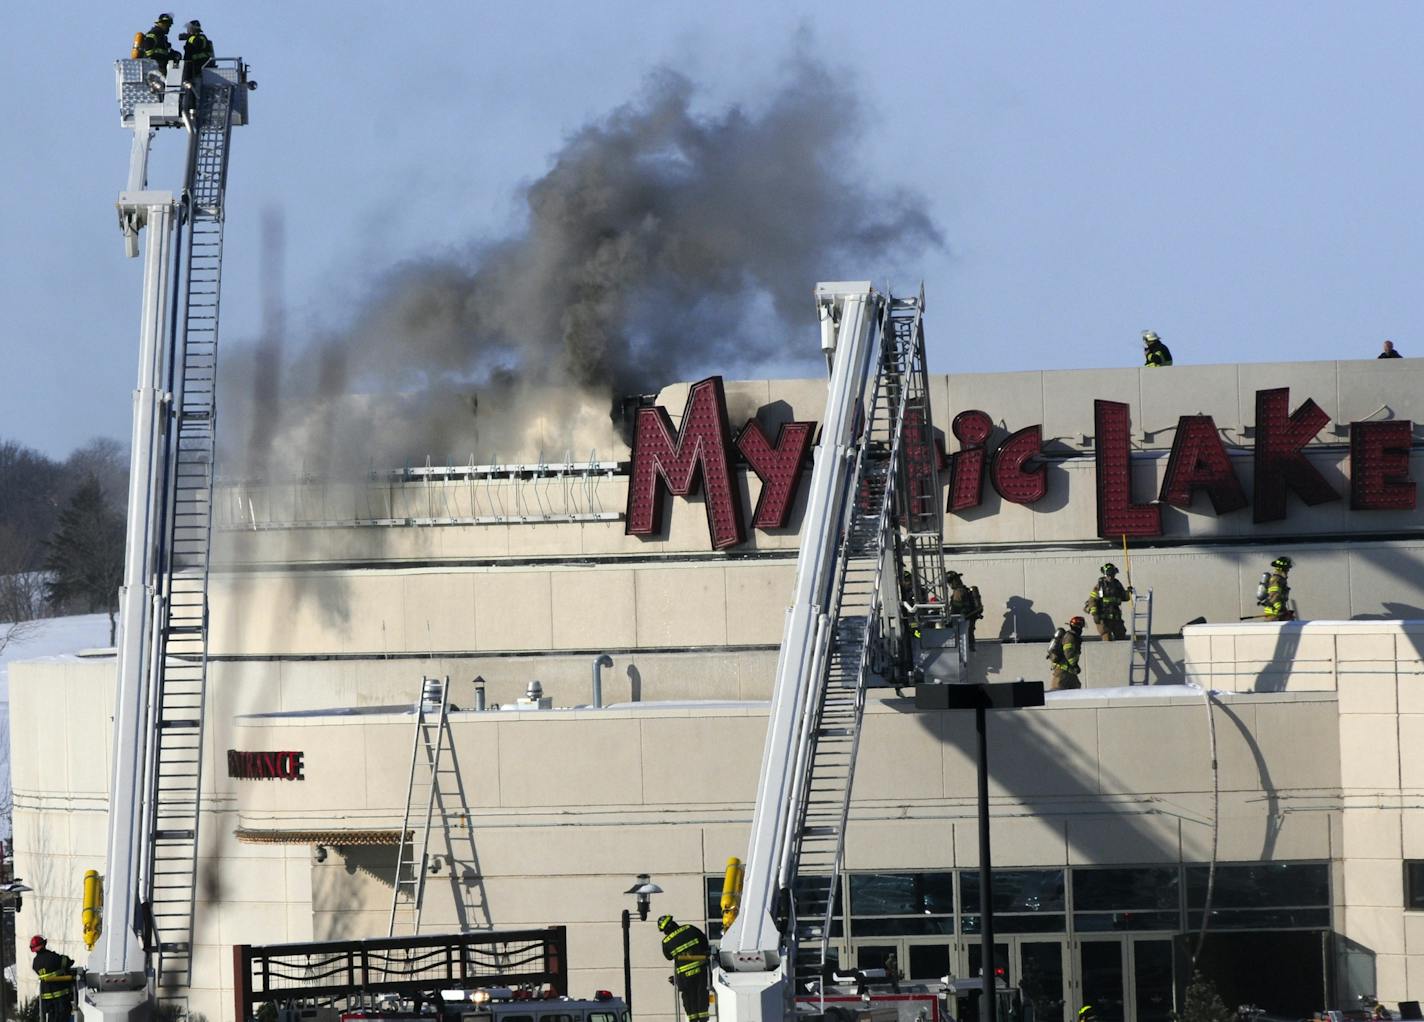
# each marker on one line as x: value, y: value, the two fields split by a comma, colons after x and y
x: 869, y: 609
x: 492, y: 1004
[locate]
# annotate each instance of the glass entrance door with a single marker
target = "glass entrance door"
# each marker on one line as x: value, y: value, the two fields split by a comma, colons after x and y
x: 1101, y: 977
x: 1152, y: 980
x: 1041, y: 975
x: 1037, y: 967
x: 917, y: 960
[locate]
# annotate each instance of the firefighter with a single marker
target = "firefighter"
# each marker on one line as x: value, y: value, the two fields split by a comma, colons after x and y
x: 197, y: 49
x: 1105, y: 604
x: 1087, y: 1014
x: 154, y: 44
x: 56, y: 973
x: 686, y: 947
x: 1276, y: 597
x: 1063, y: 654
x: 1154, y: 352
x: 965, y: 601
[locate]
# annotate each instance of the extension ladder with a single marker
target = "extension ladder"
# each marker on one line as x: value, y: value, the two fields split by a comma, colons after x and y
x: 176, y: 712
x: 427, y: 750
x: 1140, y: 653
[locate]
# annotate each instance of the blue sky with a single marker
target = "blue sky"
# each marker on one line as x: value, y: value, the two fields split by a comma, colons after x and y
x: 1242, y: 178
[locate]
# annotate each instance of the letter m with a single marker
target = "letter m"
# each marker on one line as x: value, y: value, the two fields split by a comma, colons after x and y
x: 696, y: 456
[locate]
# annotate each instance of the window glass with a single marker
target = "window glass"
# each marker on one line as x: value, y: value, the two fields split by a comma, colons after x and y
x: 714, y: 907
x: 601, y: 1016
x: 901, y: 894
x: 1108, y: 922
x: 516, y: 1018
x: 1414, y: 884
x: 815, y: 887
x: 875, y: 956
x: 1261, y: 885
x: 928, y: 961
x: 556, y: 1017
x: 904, y: 926
x: 1025, y: 923
x: 1017, y: 890
x: 1116, y: 890
x: 1269, y: 918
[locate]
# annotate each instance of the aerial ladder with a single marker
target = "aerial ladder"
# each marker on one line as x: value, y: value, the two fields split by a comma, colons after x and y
x: 869, y: 591
x: 144, y: 944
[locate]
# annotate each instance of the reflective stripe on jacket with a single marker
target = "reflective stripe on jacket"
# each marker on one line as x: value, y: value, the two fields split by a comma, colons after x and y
x: 198, y: 50
x: 56, y: 973
x: 155, y: 45
x: 1158, y: 355
x: 1110, y: 592
x: 1066, y: 653
x: 687, y: 946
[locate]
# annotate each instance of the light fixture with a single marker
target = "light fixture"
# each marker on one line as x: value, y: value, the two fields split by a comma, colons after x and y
x: 643, y: 890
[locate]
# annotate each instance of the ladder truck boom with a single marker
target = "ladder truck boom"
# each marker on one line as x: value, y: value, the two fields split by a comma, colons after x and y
x: 865, y: 511
x: 144, y: 941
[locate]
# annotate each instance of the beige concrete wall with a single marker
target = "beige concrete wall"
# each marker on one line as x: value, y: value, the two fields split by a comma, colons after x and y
x: 1376, y: 669
x: 566, y: 806
x: 715, y: 602
x: 1083, y: 781
x: 60, y: 759
x: 499, y: 610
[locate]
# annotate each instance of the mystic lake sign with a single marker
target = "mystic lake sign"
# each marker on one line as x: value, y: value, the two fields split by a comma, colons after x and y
x: 703, y: 453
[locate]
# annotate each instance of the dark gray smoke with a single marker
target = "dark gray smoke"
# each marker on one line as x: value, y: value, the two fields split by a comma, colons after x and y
x: 662, y: 244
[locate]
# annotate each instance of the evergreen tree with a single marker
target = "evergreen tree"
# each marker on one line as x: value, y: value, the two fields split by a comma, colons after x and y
x: 1202, y: 1003
x: 86, y: 555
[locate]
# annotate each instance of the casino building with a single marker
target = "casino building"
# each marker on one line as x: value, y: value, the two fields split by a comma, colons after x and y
x: 1274, y: 827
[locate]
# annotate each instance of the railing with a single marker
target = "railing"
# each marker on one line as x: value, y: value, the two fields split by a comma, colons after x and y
x: 346, y: 972
x: 498, y: 494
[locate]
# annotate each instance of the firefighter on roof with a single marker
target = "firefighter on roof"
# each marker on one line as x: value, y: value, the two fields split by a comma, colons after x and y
x: 1063, y: 654
x: 1274, y: 591
x: 1154, y: 352
x: 1105, y: 604
x: 686, y: 947
x: 56, y: 973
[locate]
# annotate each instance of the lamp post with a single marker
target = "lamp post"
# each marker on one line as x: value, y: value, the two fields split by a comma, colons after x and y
x: 982, y: 698
x: 642, y: 891
x: 10, y: 898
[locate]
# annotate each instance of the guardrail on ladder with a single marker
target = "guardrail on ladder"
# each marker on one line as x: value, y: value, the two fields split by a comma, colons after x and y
x: 832, y: 732
x: 180, y: 663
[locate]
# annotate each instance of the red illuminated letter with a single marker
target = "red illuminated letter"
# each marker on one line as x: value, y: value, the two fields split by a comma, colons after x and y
x: 1379, y: 466
x: 921, y: 499
x: 778, y: 467
x: 966, y: 467
x: 1117, y: 514
x: 1199, y: 461
x: 699, y: 456
x: 1013, y: 478
x: 1280, y: 460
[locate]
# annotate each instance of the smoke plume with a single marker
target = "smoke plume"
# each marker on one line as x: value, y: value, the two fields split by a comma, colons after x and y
x: 663, y: 243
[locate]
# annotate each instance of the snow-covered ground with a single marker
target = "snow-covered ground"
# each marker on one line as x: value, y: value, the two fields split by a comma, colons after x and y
x: 55, y: 636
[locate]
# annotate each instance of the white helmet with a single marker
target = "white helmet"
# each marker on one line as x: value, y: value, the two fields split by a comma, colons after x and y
x: 1150, y: 337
